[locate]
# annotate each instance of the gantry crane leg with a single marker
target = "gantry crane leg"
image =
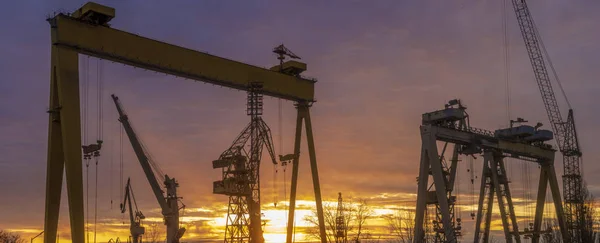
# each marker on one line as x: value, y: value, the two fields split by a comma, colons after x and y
x: 304, y: 114
x: 558, y: 207
x: 64, y: 145
x: 500, y: 183
x: 430, y: 161
x: 423, y: 181
x: 511, y: 208
x: 541, y: 201
x: 484, y: 208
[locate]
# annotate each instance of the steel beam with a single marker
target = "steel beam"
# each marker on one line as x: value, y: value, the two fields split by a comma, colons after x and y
x: 560, y: 215
x: 540, y: 203
x: 482, y: 195
x: 423, y: 180
x: 439, y: 181
x: 314, y: 169
x: 127, y: 48
x: 511, y: 207
x: 295, y: 167
x: 64, y: 144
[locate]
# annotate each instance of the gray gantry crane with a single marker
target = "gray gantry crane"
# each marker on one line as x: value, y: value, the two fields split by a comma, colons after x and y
x: 451, y: 125
x: 135, y: 217
x: 564, y: 131
x: 169, y: 203
x: 241, y: 174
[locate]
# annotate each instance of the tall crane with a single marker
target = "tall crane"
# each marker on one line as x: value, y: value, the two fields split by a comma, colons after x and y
x: 89, y: 31
x: 564, y: 131
x: 169, y: 203
x: 135, y: 219
x: 241, y: 174
x: 341, y: 232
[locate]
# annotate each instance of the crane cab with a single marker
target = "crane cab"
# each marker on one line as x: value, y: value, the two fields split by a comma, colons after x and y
x: 540, y: 136
x: 445, y: 115
x: 94, y: 13
x: 515, y: 132
x: 293, y: 68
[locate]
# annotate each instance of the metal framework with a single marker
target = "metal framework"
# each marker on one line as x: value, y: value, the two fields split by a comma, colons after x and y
x: 451, y: 126
x: 565, y: 132
x: 135, y: 217
x: 241, y: 174
x: 86, y: 31
x: 341, y: 232
x: 169, y: 201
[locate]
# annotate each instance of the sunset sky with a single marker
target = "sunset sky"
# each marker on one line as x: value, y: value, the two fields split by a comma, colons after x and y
x: 379, y: 65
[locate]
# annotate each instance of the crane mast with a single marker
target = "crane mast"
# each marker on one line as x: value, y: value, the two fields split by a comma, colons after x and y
x: 136, y: 228
x: 169, y: 202
x: 564, y: 131
x: 240, y: 169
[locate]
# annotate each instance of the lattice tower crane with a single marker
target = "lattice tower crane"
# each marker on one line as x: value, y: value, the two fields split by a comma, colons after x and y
x: 341, y: 231
x: 169, y: 202
x: 240, y: 165
x: 135, y: 217
x: 564, y: 131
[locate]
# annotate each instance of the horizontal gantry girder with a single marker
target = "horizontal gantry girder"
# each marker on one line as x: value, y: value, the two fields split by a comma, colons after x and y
x: 123, y: 47
x: 512, y: 148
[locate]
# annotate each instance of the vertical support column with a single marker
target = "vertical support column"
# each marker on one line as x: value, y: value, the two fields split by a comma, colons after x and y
x: 421, y: 195
x: 315, y: 171
x: 488, y: 215
x: 439, y: 180
x: 496, y: 183
x: 482, y: 196
x: 540, y: 203
x: 55, y: 163
x: 511, y: 207
x: 297, y: 140
x: 560, y: 215
x: 66, y: 81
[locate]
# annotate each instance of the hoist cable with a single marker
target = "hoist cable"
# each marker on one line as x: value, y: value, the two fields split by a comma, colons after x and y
x: 111, y: 151
x: 85, y: 97
x: 506, y: 56
x: 96, y: 202
x: 121, y: 165
x: 87, y: 197
x: 457, y: 183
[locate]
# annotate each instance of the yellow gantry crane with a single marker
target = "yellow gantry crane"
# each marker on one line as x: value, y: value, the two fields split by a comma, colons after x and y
x: 87, y: 31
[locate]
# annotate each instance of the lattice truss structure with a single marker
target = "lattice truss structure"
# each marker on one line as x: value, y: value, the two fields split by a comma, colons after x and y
x: 240, y: 166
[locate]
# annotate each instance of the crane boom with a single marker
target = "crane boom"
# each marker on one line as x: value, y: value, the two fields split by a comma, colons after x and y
x: 564, y: 132
x: 169, y: 202
x: 140, y: 153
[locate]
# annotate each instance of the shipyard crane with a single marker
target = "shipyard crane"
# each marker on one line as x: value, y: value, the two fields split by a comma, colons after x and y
x: 89, y: 31
x: 341, y: 231
x: 241, y: 174
x: 564, y: 131
x: 168, y: 203
x: 135, y: 217
x: 451, y: 125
